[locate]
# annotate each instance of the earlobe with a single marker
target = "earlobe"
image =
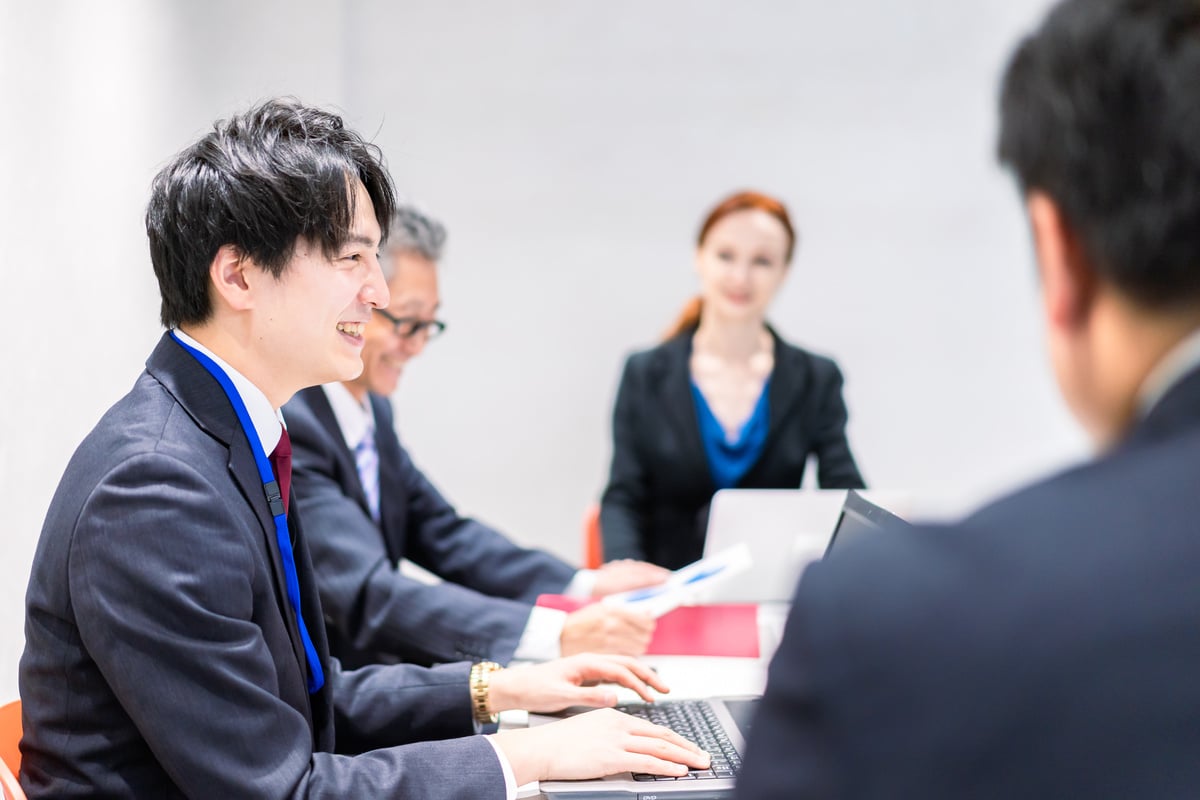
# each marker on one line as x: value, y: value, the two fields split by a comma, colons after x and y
x: 1068, y: 281
x: 228, y: 275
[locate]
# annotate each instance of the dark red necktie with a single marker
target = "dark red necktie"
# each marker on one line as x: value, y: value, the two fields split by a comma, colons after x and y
x: 281, y: 462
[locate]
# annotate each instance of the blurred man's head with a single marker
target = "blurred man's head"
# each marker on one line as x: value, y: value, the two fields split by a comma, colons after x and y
x: 1100, y: 121
x: 400, y: 332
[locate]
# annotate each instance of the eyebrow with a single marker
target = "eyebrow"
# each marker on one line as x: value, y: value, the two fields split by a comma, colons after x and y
x: 360, y: 239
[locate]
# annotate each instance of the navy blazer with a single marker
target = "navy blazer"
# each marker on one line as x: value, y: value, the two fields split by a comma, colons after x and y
x: 655, y: 507
x: 1048, y: 646
x: 375, y: 614
x: 161, y: 656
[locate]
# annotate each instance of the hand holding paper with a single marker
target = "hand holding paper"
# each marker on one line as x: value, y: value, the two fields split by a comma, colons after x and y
x: 686, y: 585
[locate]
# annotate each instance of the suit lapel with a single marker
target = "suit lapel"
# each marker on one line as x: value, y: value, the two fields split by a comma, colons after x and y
x: 323, y: 411
x: 673, y: 385
x: 205, y: 402
x: 789, y: 381
x: 245, y: 474
x: 392, y: 498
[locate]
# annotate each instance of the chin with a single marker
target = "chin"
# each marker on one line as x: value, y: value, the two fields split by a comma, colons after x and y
x: 739, y: 312
x: 348, y: 371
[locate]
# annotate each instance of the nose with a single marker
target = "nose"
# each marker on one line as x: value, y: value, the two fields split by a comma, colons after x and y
x: 375, y: 292
x: 739, y: 273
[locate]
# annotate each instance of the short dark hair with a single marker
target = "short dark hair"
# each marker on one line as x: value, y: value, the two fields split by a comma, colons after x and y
x: 260, y: 180
x: 1100, y: 109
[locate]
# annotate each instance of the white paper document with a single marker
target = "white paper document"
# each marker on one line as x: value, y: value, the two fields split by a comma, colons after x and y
x: 685, y: 586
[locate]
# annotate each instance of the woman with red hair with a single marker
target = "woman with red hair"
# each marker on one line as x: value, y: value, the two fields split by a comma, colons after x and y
x: 723, y: 401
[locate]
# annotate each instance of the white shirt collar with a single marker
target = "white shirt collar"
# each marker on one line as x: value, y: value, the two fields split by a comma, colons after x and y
x: 267, y: 421
x: 1182, y: 359
x: 356, y: 419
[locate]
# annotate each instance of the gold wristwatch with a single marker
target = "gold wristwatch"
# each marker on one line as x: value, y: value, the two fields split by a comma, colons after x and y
x: 480, y: 673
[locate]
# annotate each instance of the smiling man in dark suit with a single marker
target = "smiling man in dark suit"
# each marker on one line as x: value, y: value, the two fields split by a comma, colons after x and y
x: 1048, y: 646
x: 367, y: 506
x: 174, y: 638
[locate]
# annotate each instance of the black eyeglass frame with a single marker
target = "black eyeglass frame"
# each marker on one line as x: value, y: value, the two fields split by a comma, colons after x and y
x: 411, y: 327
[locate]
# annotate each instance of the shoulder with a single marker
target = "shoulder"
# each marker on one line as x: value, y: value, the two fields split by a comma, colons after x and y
x: 382, y: 408
x: 147, y: 452
x: 310, y: 418
x: 789, y: 353
x: 1058, y: 539
x: 304, y: 405
x: 792, y: 358
x: 660, y: 358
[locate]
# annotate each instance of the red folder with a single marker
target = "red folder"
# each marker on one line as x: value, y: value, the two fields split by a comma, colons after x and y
x: 717, y: 630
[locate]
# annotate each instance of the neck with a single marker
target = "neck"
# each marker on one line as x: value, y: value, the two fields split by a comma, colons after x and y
x: 1131, y: 344
x: 358, y: 390
x: 234, y: 351
x: 733, y: 340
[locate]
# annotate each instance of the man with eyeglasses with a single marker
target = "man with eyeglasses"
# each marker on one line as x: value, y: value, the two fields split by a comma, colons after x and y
x: 368, y: 506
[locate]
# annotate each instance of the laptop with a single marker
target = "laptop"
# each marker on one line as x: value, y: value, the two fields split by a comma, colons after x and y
x: 784, y: 529
x: 719, y: 725
x: 859, y: 518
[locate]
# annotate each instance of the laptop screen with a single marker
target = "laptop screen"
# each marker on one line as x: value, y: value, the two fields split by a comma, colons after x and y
x: 860, y: 517
x: 742, y: 712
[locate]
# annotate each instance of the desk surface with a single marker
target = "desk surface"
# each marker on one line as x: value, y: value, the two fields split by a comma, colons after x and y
x: 697, y: 676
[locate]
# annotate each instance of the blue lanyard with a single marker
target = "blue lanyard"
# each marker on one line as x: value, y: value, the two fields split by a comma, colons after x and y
x: 316, y: 676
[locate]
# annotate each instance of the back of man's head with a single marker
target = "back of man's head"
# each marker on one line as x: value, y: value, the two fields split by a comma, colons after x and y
x: 260, y: 181
x: 1100, y: 110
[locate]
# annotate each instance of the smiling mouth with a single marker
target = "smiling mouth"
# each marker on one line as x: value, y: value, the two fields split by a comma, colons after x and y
x: 354, y: 329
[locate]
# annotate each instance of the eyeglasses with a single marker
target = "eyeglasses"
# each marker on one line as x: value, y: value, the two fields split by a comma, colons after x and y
x: 411, y: 327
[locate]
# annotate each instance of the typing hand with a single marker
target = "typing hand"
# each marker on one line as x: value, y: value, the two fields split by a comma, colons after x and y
x: 601, y: 628
x: 623, y: 575
x: 596, y: 744
x: 565, y: 682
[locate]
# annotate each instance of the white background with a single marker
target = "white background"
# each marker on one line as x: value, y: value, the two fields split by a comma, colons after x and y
x: 572, y: 149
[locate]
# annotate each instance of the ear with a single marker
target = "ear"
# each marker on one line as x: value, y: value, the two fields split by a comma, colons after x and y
x: 1068, y: 280
x: 228, y: 276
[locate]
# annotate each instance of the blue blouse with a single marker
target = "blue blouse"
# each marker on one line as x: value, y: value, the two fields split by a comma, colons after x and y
x: 729, y: 460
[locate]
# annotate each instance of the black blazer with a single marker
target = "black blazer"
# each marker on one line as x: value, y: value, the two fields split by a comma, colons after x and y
x: 374, y: 613
x: 656, y: 504
x: 1048, y: 646
x: 161, y: 655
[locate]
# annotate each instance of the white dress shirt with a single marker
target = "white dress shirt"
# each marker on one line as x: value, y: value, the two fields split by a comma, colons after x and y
x: 267, y: 421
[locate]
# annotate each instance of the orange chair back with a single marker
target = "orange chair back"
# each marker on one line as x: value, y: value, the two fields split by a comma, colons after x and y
x: 593, y: 548
x: 10, y: 736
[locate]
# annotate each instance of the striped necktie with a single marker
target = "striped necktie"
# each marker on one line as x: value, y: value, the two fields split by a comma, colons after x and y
x: 366, y: 458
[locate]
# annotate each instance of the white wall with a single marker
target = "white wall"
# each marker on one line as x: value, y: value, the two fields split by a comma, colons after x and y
x: 571, y: 148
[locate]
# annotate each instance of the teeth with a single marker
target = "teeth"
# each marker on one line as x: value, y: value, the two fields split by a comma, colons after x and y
x: 351, y: 328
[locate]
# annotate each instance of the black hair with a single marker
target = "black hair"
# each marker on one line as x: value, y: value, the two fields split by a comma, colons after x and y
x: 1100, y: 110
x: 261, y: 181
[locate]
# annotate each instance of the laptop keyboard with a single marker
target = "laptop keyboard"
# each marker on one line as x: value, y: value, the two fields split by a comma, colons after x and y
x: 696, y: 721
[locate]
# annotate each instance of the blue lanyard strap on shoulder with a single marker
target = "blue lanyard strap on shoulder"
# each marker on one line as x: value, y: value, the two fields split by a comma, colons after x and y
x: 316, y: 675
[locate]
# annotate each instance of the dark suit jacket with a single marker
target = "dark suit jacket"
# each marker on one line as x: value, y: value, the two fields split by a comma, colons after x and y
x: 161, y: 656
x: 655, y: 507
x: 376, y: 614
x: 1049, y: 646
